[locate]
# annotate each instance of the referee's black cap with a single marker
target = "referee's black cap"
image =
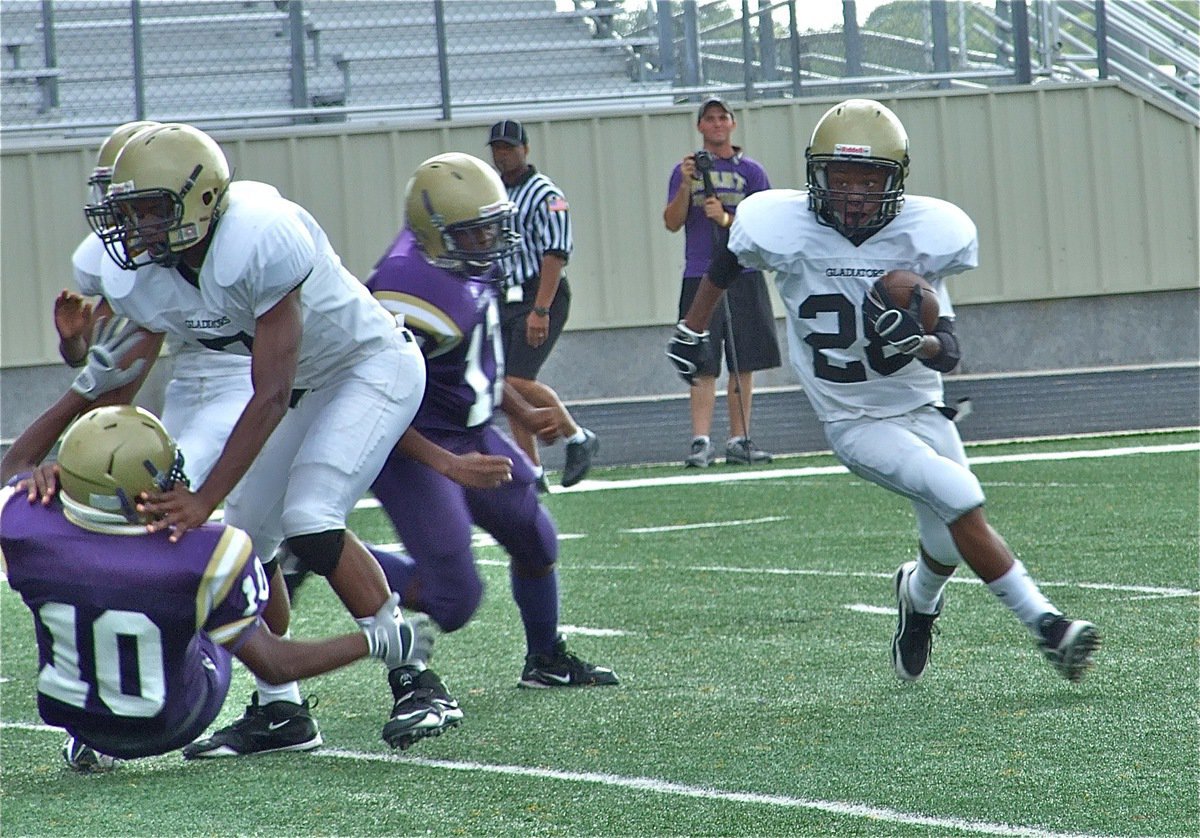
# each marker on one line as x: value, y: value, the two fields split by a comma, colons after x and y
x: 509, y: 132
x: 714, y: 102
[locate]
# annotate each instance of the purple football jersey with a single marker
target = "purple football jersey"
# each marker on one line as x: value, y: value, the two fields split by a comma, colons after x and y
x: 457, y: 320
x: 129, y: 625
x: 733, y: 179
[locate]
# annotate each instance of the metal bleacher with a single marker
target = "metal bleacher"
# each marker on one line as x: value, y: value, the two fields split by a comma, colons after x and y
x: 215, y: 60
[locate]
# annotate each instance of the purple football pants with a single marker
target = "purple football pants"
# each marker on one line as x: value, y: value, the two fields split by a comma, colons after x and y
x: 433, y: 516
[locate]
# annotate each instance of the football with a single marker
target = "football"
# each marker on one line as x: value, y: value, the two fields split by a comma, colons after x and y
x: 899, y: 285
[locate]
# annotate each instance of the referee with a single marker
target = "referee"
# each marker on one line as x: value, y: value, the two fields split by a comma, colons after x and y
x: 537, y: 299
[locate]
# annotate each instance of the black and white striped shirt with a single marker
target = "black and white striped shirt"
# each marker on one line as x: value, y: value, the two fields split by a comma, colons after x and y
x: 543, y: 222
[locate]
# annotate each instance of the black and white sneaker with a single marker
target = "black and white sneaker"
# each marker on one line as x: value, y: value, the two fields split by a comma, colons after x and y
x: 913, y: 639
x: 701, y: 454
x: 563, y: 669
x: 1068, y: 645
x: 84, y: 758
x: 452, y: 714
x: 743, y: 451
x: 579, y: 458
x: 265, y: 729
x: 417, y: 712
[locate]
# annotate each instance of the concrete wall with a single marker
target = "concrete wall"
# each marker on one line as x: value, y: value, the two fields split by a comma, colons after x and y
x: 1085, y: 197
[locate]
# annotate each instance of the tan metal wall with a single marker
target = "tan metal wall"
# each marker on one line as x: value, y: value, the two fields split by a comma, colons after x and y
x: 1077, y: 190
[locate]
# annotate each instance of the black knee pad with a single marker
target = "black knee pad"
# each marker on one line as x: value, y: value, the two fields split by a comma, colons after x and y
x: 318, y: 551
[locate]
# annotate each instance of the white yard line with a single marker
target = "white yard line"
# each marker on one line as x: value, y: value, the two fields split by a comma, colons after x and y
x: 650, y: 784
x: 707, y: 525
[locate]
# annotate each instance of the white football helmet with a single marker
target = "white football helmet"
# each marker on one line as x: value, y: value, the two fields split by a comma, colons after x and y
x: 109, y: 456
x: 857, y: 131
x: 169, y: 187
x: 457, y: 207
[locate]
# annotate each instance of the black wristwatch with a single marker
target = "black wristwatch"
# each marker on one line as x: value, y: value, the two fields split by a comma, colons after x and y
x: 541, y: 311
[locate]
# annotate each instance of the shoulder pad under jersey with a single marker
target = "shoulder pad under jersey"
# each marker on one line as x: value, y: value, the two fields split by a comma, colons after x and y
x: 257, y: 220
x: 768, y: 230
x: 941, y: 232
x: 87, y: 262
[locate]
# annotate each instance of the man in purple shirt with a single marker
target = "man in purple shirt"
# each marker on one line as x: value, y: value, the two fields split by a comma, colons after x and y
x: 702, y: 198
x: 136, y: 634
x: 439, y: 274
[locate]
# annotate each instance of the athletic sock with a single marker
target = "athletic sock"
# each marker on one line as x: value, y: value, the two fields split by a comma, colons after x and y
x: 577, y: 437
x: 537, y: 600
x: 277, y: 692
x: 925, y: 587
x: 1016, y: 590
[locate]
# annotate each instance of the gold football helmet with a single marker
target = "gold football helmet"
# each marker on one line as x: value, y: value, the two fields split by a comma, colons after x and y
x: 458, y: 209
x: 109, y: 456
x: 169, y: 187
x: 863, y: 134
x: 102, y: 173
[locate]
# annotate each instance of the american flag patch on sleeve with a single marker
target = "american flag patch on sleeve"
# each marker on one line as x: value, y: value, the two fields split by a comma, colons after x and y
x: 556, y: 203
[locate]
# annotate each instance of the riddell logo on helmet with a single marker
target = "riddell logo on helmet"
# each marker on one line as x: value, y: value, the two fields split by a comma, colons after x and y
x: 852, y: 150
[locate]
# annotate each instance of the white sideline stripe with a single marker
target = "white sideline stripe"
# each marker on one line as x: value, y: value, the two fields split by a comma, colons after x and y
x: 858, y: 810
x: 863, y: 608
x: 815, y: 471
x: 1095, y: 586
x: 708, y: 525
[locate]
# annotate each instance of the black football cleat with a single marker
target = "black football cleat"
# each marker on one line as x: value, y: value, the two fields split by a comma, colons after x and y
x: 422, y: 707
x: 1068, y: 645
x: 579, y: 458
x: 563, y: 669
x: 913, y: 640
x: 84, y: 758
x: 265, y: 729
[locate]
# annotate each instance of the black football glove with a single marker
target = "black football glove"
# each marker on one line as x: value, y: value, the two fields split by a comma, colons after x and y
x: 686, y: 350
x: 900, y: 328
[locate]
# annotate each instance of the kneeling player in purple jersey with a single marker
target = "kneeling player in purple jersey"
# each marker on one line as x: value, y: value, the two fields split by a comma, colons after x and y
x: 135, y: 633
x: 439, y: 274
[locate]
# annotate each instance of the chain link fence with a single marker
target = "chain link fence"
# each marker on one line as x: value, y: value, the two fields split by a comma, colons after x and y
x: 81, y: 66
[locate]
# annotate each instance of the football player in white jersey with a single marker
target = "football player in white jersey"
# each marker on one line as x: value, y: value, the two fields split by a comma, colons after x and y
x: 207, y: 390
x: 871, y: 371
x: 336, y: 380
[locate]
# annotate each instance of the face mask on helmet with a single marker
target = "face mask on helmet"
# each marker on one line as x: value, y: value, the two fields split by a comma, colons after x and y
x: 458, y: 209
x: 109, y: 457
x: 857, y: 163
x: 169, y: 188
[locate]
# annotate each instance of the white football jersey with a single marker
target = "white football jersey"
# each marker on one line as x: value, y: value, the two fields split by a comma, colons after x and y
x: 823, y: 278
x: 264, y: 247
x: 190, y: 360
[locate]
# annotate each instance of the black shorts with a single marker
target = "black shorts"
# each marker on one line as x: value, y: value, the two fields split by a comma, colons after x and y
x: 753, y: 325
x: 520, y: 359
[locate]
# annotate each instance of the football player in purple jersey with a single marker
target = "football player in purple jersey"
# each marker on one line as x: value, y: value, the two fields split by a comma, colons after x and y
x: 439, y: 274
x: 136, y: 633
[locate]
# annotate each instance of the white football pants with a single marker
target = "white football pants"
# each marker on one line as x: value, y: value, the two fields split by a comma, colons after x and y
x: 204, y: 399
x: 920, y: 455
x: 328, y: 449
